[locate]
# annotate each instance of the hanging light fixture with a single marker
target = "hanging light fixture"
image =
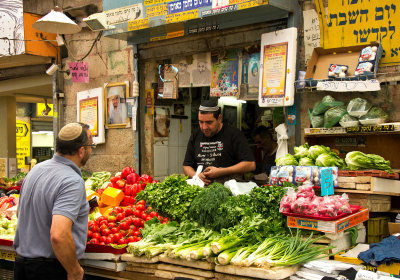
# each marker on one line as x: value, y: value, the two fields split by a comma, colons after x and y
x: 56, y: 22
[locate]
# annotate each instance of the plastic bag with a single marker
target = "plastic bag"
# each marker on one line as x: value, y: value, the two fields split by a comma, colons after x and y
x: 316, y: 121
x: 273, y: 176
x: 322, y: 106
x: 287, y: 200
x: 348, y: 121
x: 303, y: 175
x: 238, y: 188
x: 333, y: 116
x: 374, y: 116
x: 358, y: 107
x: 285, y: 174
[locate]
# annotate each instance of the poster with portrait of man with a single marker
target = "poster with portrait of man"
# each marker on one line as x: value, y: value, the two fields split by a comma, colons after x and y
x: 194, y: 70
x: 115, y: 100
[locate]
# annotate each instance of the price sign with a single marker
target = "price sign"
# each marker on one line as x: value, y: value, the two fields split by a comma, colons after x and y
x: 326, y: 181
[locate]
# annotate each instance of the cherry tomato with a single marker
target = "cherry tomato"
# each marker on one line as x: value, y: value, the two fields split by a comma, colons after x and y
x: 103, y: 222
x: 136, y: 233
x: 131, y: 239
x: 89, y: 234
x: 94, y: 241
x: 111, y: 225
x: 136, y: 222
x: 102, y: 239
x: 124, y: 226
x: 144, y: 216
x: 109, y: 240
x: 166, y: 219
x: 153, y: 214
x: 141, y: 202
x: 102, y: 243
x: 137, y: 213
x: 105, y: 232
x: 103, y: 226
x: 96, y: 235
x: 120, y: 217
x: 114, y: 230
x: 132, y: 228
x: 117, y: 237
x: 128, y: 211
x: 138, y: 238
x: 94, y: 228
x: 122, y: 241
x: 119, y: 209
x: 140, y: 207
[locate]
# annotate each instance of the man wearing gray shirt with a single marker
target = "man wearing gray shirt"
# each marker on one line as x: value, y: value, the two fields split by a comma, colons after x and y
x: 53, y: 211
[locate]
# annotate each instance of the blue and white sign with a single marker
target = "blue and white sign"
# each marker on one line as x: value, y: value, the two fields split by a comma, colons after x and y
x: 326, y: 181
x: 187, y: 5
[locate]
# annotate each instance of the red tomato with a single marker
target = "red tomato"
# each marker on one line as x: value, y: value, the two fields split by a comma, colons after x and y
x: 111, y: 225
x: 132, y: 200
x: 103, y: 222
x: 94, y: 241
x: 133, y: 228
x: 109, y: 240
x: 124, y: 226
x: 137, y: 213
x: 148, y: 218
x: 164, y: 223
x: 102, y: 239
x: 94, y: 228
x: 123, y: 232
x: 138, y: 238
x: 89, y: 234
x: 144, y: 216
x: 117, y: 237
x: 114, y: 230
x: 119, y: 209
x: 103, y: 226
x: 120, y: 217
x: 140, y: 207
x: 128, y: 211
x: 131, y: 239
x: 115, y: 179
x: 136, y: 233
x: 141, y: 223
x: 141, y: 202
x: 102, y: 243
x: 106, y: 232
x: 96, y: 235
x: 153, y: 214
x: 122, y: 241
x: 166, y: 219
x: 136, y: 222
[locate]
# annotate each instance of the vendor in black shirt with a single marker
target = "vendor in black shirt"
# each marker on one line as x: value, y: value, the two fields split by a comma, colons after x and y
x: 222, y: 150
x: 264, y: 140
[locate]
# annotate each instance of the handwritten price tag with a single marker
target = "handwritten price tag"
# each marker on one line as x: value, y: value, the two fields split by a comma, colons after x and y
x: 326, y: 181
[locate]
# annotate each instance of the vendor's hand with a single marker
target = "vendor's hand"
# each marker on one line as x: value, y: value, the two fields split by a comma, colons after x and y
x: 205, y: 179
x: 212, y: 172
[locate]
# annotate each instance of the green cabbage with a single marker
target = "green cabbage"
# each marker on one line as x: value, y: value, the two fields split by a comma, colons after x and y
x: 333, y: 116
x: 316, y: 121
x: 358, y: 107
x: 322, y: 106
x: 375, y: 113
x: 329, y: 159
x: 287, y: 159
x: 358, y: 160
x: 301, y: 151
x: 306, y: 161
x: 316, y: 150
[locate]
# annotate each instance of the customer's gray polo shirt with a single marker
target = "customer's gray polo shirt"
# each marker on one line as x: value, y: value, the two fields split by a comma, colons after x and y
x: 53, y: 187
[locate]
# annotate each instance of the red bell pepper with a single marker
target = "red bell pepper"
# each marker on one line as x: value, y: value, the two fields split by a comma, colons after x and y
x: 132, y: 178
x: 115, y: 179
x: 145, y: 178
x: 128, y: 189
x: 126, y: 171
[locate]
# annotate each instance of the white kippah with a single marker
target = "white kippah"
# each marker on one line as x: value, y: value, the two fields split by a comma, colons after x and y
x: 70, y: 132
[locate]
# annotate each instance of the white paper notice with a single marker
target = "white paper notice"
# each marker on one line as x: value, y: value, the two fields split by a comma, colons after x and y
x: 311, y: 32
x: 134, y: 111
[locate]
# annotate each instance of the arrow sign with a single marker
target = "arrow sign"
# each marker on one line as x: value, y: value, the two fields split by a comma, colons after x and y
x: 22, y: 130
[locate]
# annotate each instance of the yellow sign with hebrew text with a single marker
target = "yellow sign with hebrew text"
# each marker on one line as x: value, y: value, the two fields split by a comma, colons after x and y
x: 358, y: 22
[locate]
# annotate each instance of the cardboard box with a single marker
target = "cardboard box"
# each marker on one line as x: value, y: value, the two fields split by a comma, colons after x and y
x: 394, y: 228
x: 321, y: 59
x: 329, y: 226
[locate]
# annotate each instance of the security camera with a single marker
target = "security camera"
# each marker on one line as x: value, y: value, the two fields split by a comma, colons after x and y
x: 97, y: 22
x: 52, y: 69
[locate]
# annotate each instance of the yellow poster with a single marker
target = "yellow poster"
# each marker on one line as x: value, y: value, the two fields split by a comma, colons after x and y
x: 359, y: 22
x: 88, y: 114
x: 23, y: 142
x: 182, y: 16
x: 44, y: 111
x: 274, y: 70
x: 138, y: 24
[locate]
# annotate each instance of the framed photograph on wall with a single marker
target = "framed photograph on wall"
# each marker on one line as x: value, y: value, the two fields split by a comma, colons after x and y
x: 115, y: 95
x: 229, y: 115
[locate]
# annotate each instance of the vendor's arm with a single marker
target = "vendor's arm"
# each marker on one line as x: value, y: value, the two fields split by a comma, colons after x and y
x: 64, y: 246
x: 240, y: 168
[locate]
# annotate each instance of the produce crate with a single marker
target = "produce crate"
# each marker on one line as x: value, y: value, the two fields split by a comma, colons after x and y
x: 377, y: 229
x: 371, y: 173
x: 373, y: 202
x: 329, y: 226
x: 369, y: 183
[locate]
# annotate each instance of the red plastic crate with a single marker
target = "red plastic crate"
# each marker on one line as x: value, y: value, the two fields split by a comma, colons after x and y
x: 96, y: 248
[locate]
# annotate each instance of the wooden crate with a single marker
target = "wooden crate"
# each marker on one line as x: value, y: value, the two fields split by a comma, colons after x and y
x: 373, y: 202
x: 371, y: 184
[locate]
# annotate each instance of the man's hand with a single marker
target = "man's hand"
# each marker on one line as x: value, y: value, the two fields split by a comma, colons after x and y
x: 212, y: 172
x: 204, y: 178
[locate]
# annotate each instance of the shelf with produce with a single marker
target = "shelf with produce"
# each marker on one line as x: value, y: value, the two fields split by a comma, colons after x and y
x: 390, y: 128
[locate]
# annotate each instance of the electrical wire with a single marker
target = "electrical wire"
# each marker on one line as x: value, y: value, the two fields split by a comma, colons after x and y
x: 91, y: 48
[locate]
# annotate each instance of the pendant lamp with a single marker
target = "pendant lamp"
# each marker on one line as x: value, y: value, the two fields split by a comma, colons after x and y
x: 56, y: 22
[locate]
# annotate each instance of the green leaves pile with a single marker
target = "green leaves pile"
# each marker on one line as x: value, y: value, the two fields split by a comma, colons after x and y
x: 171, y: 197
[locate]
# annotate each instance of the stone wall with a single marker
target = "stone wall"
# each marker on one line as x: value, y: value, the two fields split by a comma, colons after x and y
x: 109, y: 61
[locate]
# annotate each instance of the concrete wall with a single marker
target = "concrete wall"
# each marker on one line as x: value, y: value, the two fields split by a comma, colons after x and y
x: 109, y: 61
